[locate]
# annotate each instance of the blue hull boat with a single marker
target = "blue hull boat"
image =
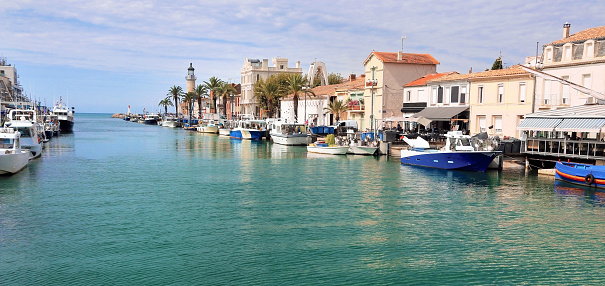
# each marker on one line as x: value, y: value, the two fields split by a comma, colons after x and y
x: 247, y: 134
x: 467, y: 161
x: 580, y: 174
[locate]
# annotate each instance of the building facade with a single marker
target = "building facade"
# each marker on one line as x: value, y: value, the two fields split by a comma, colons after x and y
x: 254, y: 70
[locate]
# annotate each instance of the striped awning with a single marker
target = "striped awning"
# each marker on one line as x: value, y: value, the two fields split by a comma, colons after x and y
x: 581, y: 125
x: 539, y: 124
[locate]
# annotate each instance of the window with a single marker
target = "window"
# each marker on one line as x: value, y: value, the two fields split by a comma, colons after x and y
x: 257, y: 77
x: 463, y: 95
x: 500, y: 93
x: 547, y: 85
x: 565, y: 91
x: 454, y: 94
x: 567, y: 52
x: 281, y: 67
x: 589, y: 50
x: 440, y: 95
x: 586, y: 81
x: 480, y: 94
x: 481, y: 120
x: 409, y: 97
x: 522, y: 91
x: 498, y: 124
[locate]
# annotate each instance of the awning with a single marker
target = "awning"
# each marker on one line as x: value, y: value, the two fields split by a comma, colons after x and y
x: 539, y: 124
x: 581, y: 125
x: 441, y: 113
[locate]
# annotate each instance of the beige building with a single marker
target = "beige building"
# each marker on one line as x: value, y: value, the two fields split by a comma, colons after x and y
x: 385, y: 75
x: 577, y: 58
x: 500, y: 99
x: 252, y: 71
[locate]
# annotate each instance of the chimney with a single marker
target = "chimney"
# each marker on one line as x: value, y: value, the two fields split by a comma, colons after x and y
x: 265, y: 65
x: 399, y: 55
x: 352, y: 77
x: 566, y: 30
x: 298, y: 64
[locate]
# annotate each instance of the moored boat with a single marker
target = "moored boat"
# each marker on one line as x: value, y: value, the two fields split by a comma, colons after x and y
x: 250, y: 130
x: 12, y: 158
x: 26, y: 123
x: 151, y: 119
x: 325, y: 148
x: 64, y: 115
x: 580, y: 174
x: 458, y: 154
x: 288, y: 133
x: 208, y: 126
x: 362, y: 150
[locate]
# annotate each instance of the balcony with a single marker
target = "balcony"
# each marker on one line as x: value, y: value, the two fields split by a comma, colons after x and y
x: 552, y: 100
x: 558, y: 147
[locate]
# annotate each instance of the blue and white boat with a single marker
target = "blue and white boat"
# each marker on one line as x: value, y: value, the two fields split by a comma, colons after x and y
x: 457, y: 154
x: 250, y: 130
x: 580, y: 174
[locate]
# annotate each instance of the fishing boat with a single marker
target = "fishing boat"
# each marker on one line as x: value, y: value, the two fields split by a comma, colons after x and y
x: 325, y: 148
x: 252, y: 129
x: 580, y: 174
x: 457, y: 154
x: 65, y: 116
x: 26, y: 123
x: 12, y: 158
x: 288, y: 133
x: 208, y: 126
x: 151, y: 119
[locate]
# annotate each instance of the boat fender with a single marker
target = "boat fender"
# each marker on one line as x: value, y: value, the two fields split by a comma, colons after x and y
x: 589, y: 179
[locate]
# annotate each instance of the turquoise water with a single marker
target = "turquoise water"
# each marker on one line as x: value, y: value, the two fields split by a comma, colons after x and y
x: 120, y: 203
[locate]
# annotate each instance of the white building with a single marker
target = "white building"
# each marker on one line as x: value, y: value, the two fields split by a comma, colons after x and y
x: 255, y: 69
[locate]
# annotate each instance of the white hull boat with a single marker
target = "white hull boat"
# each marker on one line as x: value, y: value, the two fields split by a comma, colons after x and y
x: 288, y: 133
x: 224, y: 131
x: 25, y: 122
x: 320, y: 149
x: 362, y: 150
x: 12, y: 158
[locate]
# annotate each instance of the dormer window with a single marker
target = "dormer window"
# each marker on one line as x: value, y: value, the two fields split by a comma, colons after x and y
x: 589, y: 47
x: 567, y: 52
x: 548, y: 54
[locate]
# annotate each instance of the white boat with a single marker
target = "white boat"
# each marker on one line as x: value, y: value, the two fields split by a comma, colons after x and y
x: 64, y: 115
x: 362, y: 150
x: 324, y: 148
x: 151, y: 119
x: 224, y: 131
x: 12, y: 158
x: 208, y: 126
x: 288, y: 133
x: 169, y: 120
x: 250, y: 129
x: 26, y: 123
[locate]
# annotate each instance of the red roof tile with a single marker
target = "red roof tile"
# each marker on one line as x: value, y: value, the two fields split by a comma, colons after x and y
x: 330, y: 90
x: 592, y: 33
x: 422, y: 81
x: 514, y: 70
x: 422, y: 59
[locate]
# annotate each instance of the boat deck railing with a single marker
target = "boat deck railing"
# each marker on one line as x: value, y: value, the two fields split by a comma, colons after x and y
x: 582, y: 149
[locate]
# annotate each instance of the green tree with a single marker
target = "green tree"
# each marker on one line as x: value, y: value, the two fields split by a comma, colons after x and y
x: 335, y: 78
x: 165, y: 103
x: 201, y: 91
x: 497, y: 64
x: 295, y: 82
x: 176, y: 92
x: 212, y: 85
x: 268, y: 94
x: 336, y: 107
x: 189, y: 98
x: 225, y: 90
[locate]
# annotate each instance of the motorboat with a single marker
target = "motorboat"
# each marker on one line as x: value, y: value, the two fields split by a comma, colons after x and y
x: 251, y: 129
x: 208, y: 126
x: 12, y: 158
x: 356, y: 145
x: 325, y: 148
x: 169, y: 120
x: 26, y: 123
x: 288, y: 133
x: 151, y: 119
x: 457, y: 154
x: 65, y: 116
x: 580, y: 174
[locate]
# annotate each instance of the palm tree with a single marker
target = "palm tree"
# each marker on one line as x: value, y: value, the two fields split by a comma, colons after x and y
x: 225, y: 90
x: 201, y: 91
x: 176, y: 92
x: 336, y: 107
x: 165, y: 103
x: 295, y: 85
x: 268, y: 93
x: 212, y: 85
x: 189, y: 98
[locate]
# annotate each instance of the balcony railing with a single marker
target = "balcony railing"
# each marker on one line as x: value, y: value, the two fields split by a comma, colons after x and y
x: 357, y: 108
x: 554, y: 99
x: 582, y: 149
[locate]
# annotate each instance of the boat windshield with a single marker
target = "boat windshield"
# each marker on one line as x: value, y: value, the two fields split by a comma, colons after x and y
x: 25, y: 132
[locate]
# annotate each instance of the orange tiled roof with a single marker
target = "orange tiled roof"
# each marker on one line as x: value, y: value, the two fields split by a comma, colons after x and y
x: 423, y: 59
x: 330, y: 90
x: 514, y: 70
x: 422, y: 81
x: 592, y: 33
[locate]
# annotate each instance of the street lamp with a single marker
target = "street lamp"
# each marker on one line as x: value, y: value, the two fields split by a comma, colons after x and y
x: 372, y: 83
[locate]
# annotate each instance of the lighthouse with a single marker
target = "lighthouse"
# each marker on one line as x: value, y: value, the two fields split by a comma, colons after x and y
x: 190, y: 78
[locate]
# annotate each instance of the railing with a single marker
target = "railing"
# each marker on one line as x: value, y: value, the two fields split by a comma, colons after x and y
x: 356, y: 107
x: 583, y: 149
x: 554, y: 99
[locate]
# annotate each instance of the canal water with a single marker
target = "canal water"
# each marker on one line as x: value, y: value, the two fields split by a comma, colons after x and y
x: 120, y: 203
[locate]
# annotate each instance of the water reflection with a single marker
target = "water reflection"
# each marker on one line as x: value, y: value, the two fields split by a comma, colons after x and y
x: 580, y: 194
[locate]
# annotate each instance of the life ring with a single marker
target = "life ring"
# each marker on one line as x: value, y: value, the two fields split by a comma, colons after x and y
x: 589, y: 179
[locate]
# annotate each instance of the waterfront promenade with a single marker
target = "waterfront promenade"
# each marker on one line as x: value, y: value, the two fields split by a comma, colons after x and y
x: 122, y: 203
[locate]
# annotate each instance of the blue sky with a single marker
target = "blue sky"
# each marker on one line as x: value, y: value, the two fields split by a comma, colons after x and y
x: 106, y: 55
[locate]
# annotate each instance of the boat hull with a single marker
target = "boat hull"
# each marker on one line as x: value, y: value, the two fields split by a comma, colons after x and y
x: 362, y: 150
x: 208, y: 129
x: 151, y: 121
x: 66, y: 126
x: 13, y: 162
x: 224, y: 132
x: 581, y: 174
x: 290, y: 140
x: 467, y: 161
x: 338, y: 150
x: 247, y: 134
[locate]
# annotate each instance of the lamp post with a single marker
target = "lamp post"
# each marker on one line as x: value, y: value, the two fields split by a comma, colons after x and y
x: 305, y: 89
x: 372, y: 82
